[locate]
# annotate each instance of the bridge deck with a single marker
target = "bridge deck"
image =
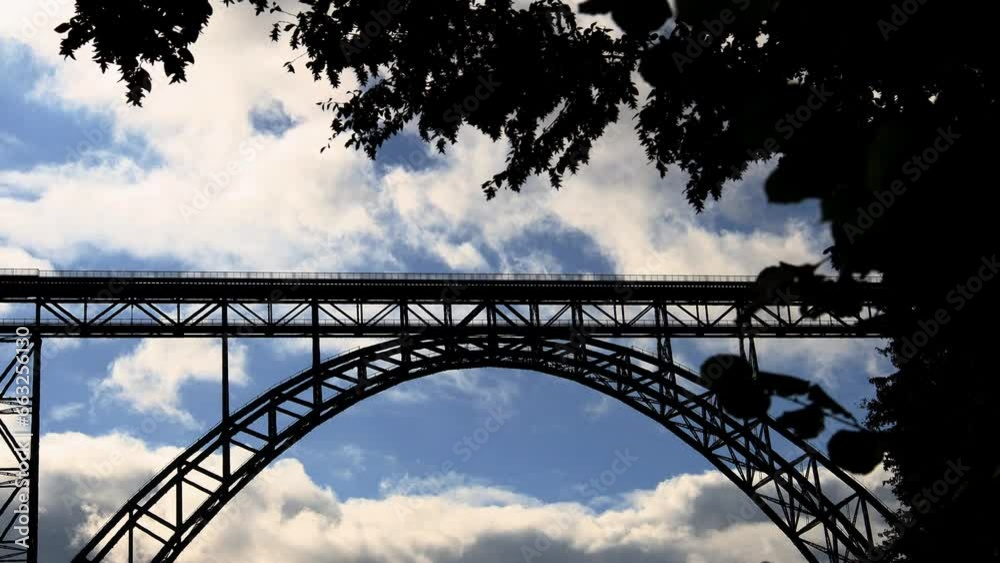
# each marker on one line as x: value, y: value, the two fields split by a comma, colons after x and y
x: 270, y: 304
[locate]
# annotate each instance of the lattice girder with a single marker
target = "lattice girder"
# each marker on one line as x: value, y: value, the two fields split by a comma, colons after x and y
x: 790, y: 493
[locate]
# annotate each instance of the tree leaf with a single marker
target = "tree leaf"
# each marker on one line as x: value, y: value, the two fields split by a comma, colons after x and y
x: 744, y: 401
x: 596, y: 7
x: 730, y: 377
x: 639, y: 17
x: 857, y: 451
x: 783, y: 385
x: 63, y: 27
x: 634, y: 17
x: 724, y: 369
x: 820, y: 398
x: 145, y: 81
x: 806, y: 423
x: 695, y: 12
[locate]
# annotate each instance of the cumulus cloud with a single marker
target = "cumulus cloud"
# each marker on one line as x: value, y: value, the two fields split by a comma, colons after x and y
x: 222, y: 193
x: 11, y: 257
x: 66, y: 411
x: 598, y: 407
x: 217, y: 192
x: 149, y: 378
x: 688, y: 518
x: 825, y: 361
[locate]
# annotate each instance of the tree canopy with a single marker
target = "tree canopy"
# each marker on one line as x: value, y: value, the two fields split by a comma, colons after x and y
x: 883, y: 110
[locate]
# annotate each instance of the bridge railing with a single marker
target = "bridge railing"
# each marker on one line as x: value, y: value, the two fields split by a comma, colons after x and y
x: 387, y: 276
x: 392, y: 323
x: 350, y: 276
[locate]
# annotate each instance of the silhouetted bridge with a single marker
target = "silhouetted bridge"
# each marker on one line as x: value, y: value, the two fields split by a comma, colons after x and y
x: 576, y: 327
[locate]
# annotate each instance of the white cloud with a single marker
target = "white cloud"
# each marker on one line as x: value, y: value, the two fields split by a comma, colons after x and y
x: 276, y: 203
x: 690, y: 518
x: 329, y: 347
x: 66, y: 411
x: 496, y: 388
x: 598, y: 407
x: 350, y: 460
x: 150, y: 377
x: 8, y: 141
x: 406, y: 394
x: 830, y: 362
x: 11, y: 257
x: 478, y: 385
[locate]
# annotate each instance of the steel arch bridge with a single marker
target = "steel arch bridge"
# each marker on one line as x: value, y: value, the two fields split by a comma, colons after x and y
x: 556, y: 325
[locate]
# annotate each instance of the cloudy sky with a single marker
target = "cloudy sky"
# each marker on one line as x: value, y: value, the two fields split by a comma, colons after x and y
x: 224, y: 173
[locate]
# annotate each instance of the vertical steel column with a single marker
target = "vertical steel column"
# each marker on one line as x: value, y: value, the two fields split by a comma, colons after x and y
x: 753, y: 357
x: 226, y: 464
x: 404, y: 324
x: 317, y: 389
x: 664, y: 351
x: 745, y: 332
x: 664, y: 347
x: 491, y: 322
x: 36, y: 434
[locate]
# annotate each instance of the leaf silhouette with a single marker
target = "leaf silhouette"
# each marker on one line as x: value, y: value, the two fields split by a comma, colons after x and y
x: 779, y: 284
x: 744, y: 400
x: 806, y: 423
x: 783, y: 385
x: 820, y: 398
x: 724, y: 369
x: 731, y: 378
x: 635, y: 16
x: 856, y: 451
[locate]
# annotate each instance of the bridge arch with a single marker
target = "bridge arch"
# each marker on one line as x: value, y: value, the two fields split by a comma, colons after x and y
x: 829, y: 516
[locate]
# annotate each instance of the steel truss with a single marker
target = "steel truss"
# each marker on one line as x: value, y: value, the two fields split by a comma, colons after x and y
x: 439, y: 322
x: 171, y: 304
x: 829, y: 516
x: 20, y: 379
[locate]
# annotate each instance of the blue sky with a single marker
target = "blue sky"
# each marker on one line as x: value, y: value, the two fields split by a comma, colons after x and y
x: 224, y: 173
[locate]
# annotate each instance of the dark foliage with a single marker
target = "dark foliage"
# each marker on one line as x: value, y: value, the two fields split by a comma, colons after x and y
x: 883, y: 111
